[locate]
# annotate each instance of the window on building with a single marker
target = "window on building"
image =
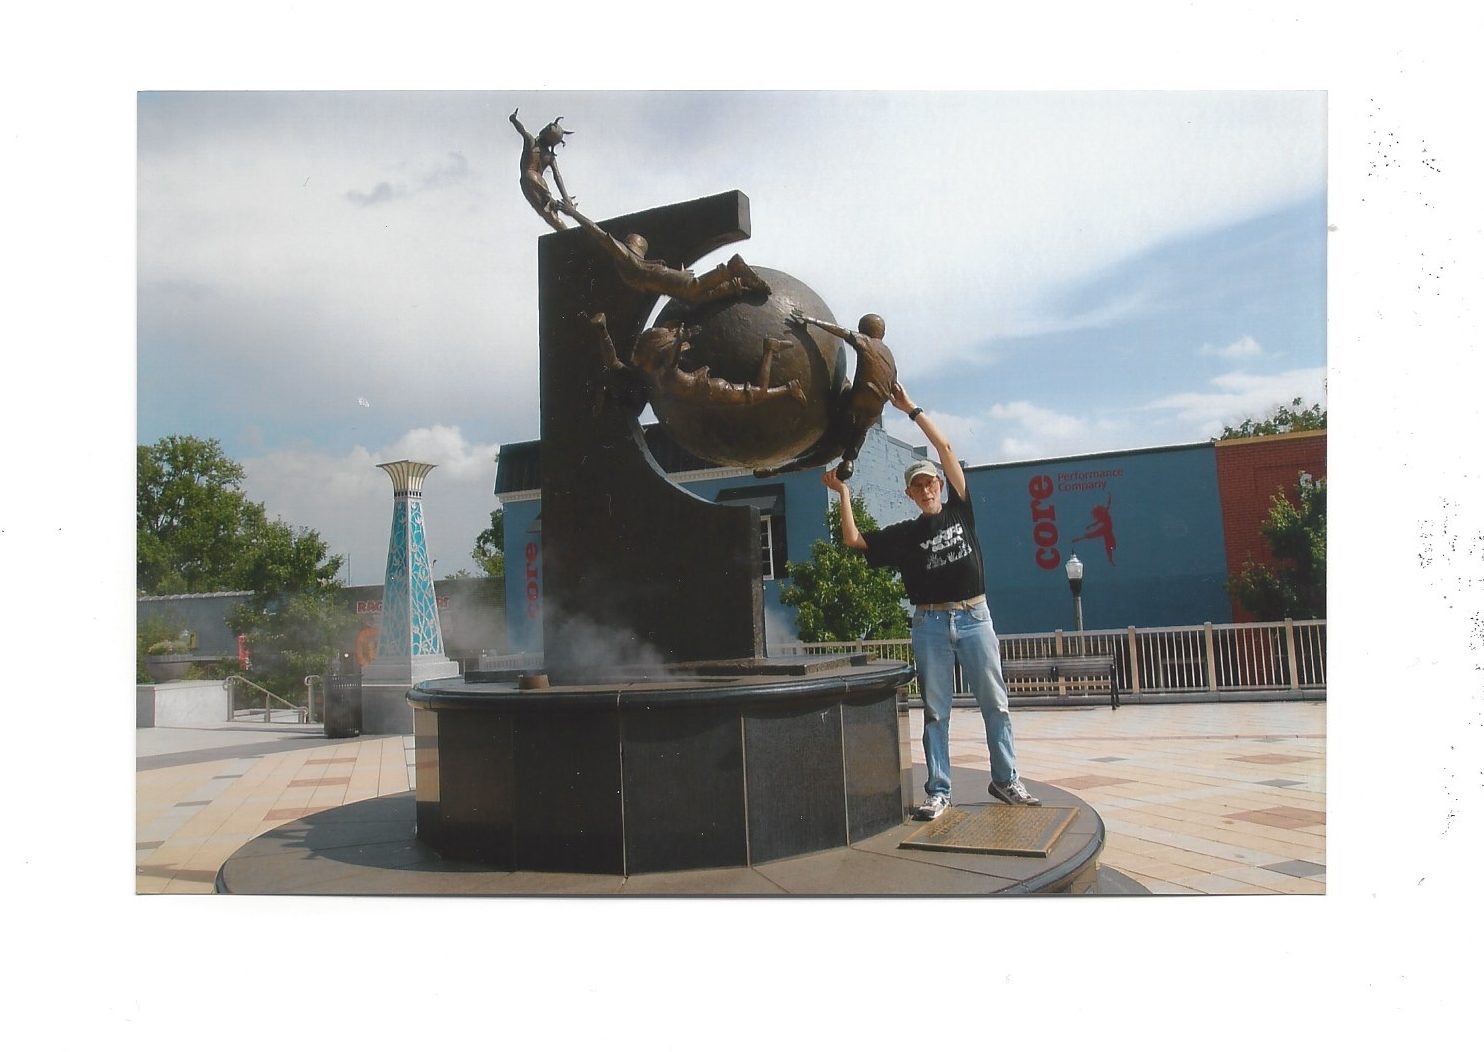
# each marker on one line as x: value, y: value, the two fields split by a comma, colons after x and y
x: 775, y: 546
x: 772, y: 532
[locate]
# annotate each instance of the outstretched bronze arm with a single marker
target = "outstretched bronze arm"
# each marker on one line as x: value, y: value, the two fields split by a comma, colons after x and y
x: 599, y: 322
x: 515, y: 120
x: 800, y: 318
x: 609, y: 243
x: 557, y: 175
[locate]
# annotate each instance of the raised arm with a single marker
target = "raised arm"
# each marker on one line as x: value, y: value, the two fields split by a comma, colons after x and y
x: 521, y: 127
x: 952, y: 469
x: 798, y: 316
x: 609, y: 353
x: 848, y: 531
x: 609, y: 243
x: 561, y: 187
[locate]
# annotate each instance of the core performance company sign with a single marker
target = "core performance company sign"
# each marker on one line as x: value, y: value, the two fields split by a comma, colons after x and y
x: 1067, y: 487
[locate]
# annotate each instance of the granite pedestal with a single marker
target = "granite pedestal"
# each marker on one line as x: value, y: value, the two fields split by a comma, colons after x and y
x: 674, y: 772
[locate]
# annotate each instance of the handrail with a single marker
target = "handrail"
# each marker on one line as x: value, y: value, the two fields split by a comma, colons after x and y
x: 1284, y: 659
x: 227, y: 685
x: 309, y: 684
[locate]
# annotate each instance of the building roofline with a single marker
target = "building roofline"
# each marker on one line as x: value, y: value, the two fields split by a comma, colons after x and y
x: 1104, y: 454
x: 1249, y: 439
x: 188, y: 595
x: 699, y: 469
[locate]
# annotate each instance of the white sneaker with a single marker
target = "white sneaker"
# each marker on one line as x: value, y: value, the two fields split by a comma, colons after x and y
x: 1012, y: 793
x: 934, y: 806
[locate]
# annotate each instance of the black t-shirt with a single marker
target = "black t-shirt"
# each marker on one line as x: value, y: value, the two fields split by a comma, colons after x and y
x: 938, y: 555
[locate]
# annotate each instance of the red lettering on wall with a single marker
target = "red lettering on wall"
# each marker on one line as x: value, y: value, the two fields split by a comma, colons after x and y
x: 533, y: 583
x: 1043, y: 515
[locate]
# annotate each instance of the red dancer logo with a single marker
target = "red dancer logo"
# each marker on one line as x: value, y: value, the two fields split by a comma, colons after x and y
x: 1101, y: 528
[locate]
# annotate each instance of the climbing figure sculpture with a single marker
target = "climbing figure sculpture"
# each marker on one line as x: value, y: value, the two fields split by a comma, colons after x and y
x: 858, y: 406
x: 637, y: 271
x: 537, y: 154
x: 656, y: 357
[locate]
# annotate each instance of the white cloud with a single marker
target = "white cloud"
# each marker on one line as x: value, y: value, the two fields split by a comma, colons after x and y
x: 1039, y: 323
x: 1246, y: 347
x: 1010, y: 431
x: 426, y: 303
x: 348, y: 499
x: 1239, y: 395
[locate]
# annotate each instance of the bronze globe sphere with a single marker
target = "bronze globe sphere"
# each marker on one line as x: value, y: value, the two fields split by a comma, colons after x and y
x: 769, y: 432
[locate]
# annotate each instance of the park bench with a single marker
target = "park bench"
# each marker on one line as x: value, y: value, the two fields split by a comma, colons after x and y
x: 1064, y: 667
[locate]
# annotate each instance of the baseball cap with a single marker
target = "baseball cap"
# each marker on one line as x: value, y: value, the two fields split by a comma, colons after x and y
x: 919, y: 467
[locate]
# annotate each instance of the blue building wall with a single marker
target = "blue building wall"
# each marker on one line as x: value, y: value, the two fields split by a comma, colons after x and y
x: 1165, y: 566
x: 524, y: 586
x: 1156, y: 556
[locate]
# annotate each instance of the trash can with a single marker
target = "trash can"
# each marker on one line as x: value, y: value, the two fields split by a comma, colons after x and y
x: 343, y: 705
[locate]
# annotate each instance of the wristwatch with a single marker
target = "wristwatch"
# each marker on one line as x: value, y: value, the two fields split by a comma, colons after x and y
x: 915, y: 411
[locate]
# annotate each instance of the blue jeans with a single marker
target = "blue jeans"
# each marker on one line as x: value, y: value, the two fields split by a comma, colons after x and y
x: 937, y: 637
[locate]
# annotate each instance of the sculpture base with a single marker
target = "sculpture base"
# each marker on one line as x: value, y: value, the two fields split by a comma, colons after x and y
x: 675, y: 771
x: 384, y: 687
x: 370, y: 848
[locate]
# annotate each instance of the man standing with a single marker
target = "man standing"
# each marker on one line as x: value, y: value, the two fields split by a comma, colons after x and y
x: 942, y: 569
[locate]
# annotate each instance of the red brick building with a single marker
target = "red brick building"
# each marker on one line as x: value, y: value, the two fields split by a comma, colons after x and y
x: 1249, y: 473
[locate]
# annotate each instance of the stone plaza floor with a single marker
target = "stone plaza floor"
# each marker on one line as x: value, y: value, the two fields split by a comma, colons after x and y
x: 1200, y: 798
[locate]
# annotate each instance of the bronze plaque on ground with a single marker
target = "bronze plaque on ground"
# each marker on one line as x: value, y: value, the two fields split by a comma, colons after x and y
x: 999, y: 829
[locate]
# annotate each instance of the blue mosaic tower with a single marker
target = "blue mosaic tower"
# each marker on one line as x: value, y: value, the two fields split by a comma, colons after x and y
x: 410, y: 644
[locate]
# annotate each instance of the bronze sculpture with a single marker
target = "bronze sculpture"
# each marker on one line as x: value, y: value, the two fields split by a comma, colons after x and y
x: 537, y: 154
x: 858, y: 405
x: 656, y: 358
x: 638, y: 272
x: 721, y: 401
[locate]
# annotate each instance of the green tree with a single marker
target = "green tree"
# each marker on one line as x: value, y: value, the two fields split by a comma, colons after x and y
x: 295, y: 622
x: 1284, y: 418
x: 837, y: 597
x: 195, y: 530
x: 293, y: 635
x: 190, y: 514
x: 276, y: 558
x: 489, y: 546
x: 1293, y: 585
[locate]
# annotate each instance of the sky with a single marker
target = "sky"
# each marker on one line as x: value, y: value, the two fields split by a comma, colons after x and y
x: 331, y: 280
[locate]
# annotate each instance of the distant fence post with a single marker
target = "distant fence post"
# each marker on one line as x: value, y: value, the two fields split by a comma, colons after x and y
x: 1293, y: 667
x: 1133, y: 659
x: 1210, y: 657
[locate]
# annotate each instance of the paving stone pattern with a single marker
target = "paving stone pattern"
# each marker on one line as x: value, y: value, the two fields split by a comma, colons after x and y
x: 1187, y: 792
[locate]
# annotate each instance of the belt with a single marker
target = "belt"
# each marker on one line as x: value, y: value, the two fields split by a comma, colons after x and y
x: 957, y: 604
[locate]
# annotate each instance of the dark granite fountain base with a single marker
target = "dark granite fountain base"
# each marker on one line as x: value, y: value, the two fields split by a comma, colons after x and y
x: 702, y: 766
x: 369, y: 848
x: 767, y: 778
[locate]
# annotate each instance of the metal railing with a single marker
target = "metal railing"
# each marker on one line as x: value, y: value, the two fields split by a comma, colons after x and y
x: 522, y: 660
x: 1270, y: 659
x: 310, y: 682
x: 269, y: 699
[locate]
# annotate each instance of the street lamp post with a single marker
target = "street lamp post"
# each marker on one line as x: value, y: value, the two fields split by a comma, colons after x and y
x: 1074, y: 581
